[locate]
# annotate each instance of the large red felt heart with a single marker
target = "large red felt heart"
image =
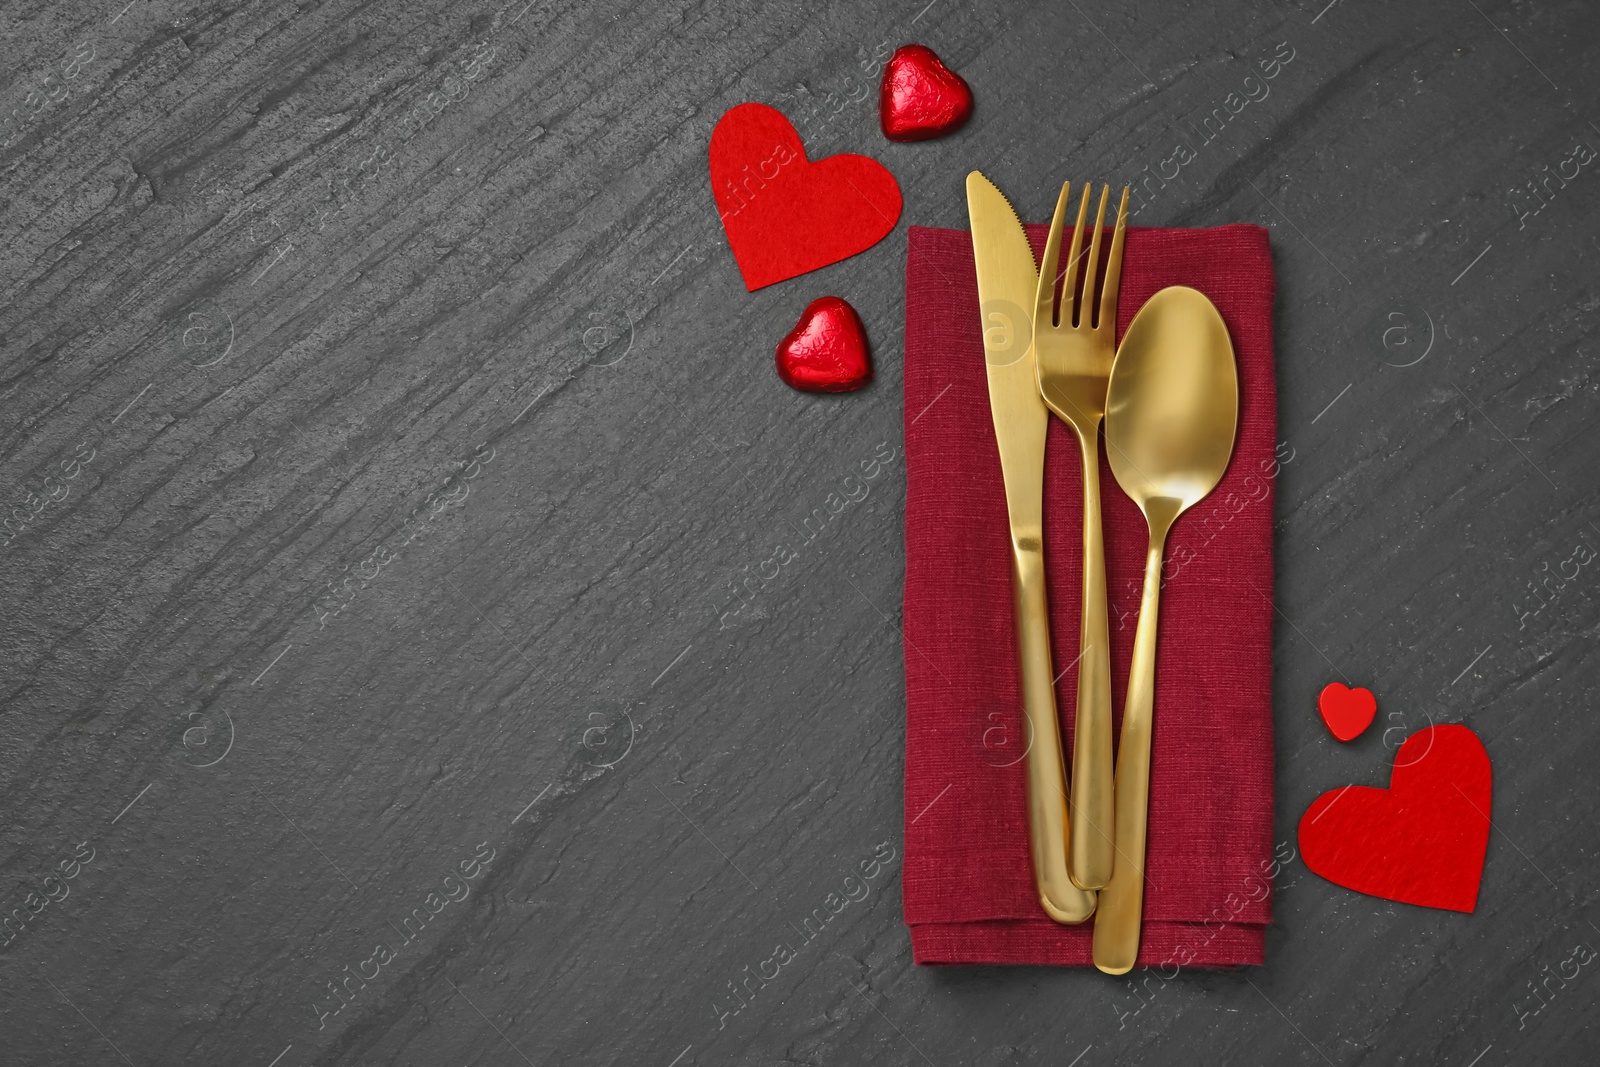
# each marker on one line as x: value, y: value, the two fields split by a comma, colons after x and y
x: 921, y: 98
x: 826, y: 352
x: 1422, y: 840
x: 1347, y: 711
x: 784, y: 214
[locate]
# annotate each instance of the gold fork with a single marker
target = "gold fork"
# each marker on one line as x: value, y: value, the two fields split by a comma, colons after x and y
x: 1073, y: 361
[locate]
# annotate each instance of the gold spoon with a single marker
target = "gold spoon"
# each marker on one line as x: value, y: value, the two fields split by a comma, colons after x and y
x: 1172, y: 411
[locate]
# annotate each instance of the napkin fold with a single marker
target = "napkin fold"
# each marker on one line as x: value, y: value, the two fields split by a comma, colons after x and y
x: 968, y: 882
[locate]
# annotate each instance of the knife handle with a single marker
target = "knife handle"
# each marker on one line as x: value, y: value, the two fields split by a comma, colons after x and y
x: 1089, y: 861
x: 1046, y: 786
x: 1116, y: 926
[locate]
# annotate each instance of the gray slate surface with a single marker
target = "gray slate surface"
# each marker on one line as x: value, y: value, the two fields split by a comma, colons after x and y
x: 427, y: 304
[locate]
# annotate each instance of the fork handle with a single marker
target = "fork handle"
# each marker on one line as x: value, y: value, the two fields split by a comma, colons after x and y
x: 1046, y: 792
x: 1089, y: 862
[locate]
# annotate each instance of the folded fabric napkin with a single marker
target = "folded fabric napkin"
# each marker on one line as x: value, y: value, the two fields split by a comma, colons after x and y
x: 968, y: 881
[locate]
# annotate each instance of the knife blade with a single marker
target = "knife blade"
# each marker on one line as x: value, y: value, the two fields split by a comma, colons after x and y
x: 1007, y: 279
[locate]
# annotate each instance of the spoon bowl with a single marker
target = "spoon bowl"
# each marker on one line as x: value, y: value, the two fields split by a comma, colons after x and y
x: 1172, y: 413
x: 1172, y: 407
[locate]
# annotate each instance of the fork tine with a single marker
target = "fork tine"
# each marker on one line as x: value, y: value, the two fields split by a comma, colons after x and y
x: 1069, y: 289
x: 1045, y: 296
x: 1091, y: 270
x: 1108, y: 296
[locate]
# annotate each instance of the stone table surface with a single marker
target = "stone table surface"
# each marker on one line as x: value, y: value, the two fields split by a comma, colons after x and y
x: 385, y: 426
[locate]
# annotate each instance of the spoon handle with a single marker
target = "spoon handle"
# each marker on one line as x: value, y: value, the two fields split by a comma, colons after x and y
x: 1046, y: 788
x: 1091, y: 860
x: 1116, y: 923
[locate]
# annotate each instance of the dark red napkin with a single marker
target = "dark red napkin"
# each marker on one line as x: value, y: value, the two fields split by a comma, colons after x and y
x: 969, y: 894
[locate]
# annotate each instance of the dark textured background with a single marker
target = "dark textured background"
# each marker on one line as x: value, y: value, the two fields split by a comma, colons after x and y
x: 427, y: 303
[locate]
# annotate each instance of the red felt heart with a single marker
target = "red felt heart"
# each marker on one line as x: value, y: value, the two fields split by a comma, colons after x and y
x: 784, y: 214
x: 826, y: 352
x: 1347, y: 711
x: 1422, y: 840
x: 920, y: 98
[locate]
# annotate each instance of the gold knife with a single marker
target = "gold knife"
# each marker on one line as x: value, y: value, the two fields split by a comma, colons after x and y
x: 1007, y: 280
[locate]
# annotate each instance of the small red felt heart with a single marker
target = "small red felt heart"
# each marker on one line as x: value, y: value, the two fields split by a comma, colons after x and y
x: 1422, y: 840
x: 1347, y: 711
x: 826, y: 352
x: 784, y: 214
x: 920, y: 98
